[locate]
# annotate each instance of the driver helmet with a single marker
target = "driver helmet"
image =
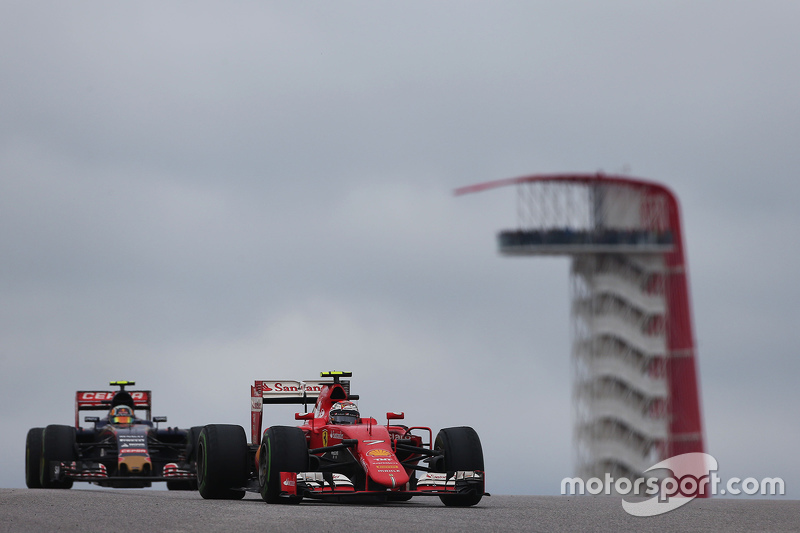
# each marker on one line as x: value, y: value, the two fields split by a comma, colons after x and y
x: 345, y: 413
x: 121, y: 414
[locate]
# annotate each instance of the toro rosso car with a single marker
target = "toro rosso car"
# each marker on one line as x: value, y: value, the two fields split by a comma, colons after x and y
x: 336, y: 454
x: 120, y: 449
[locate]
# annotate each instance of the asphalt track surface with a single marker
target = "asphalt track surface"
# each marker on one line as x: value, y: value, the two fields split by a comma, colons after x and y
x: 123, y: 511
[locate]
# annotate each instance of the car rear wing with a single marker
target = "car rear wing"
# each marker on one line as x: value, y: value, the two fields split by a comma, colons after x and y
x: 101, y: 401
x: 283, y: 392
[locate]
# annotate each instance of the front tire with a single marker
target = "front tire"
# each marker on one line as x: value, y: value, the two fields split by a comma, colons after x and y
x: 222, y: 462
x: 33, y: 458
x: 58, y: 445
x: 462, y: 451
x: 284, y: 449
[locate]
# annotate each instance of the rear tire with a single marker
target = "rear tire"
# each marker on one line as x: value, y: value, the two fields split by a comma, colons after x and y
x: 284, y: 449
x: 182, y: 485
x: 192, y: 440
x: 222, y: 462
x: 33, y: 458
x: 462, y: 451
x: 58, y: 444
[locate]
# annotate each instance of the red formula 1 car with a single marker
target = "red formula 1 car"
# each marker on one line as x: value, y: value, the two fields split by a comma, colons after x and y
x: 121, y: 450
x: 336, y: 454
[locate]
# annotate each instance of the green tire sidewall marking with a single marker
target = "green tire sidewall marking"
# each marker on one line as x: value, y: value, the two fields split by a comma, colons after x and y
x: 41, y: 463
x: 204, y: 445
x: 269, y: 459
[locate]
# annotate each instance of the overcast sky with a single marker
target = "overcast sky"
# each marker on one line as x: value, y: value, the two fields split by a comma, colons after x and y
x: 194, y: 195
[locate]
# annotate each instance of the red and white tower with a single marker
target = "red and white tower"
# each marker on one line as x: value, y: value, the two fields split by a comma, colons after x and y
x: 635, y: 383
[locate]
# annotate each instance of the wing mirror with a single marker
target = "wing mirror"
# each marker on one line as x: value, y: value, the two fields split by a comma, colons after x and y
x: 304, y: 416
x: 395, y: 416
x: 159, y: 419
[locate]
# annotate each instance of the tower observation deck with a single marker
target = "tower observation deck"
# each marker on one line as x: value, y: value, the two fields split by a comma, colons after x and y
x: 635, y: 386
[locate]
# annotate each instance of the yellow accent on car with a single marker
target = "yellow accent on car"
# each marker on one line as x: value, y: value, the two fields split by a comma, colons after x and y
x: 335, y: 373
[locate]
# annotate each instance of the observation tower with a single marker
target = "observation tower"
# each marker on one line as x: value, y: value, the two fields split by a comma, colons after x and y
x: 635, y: 385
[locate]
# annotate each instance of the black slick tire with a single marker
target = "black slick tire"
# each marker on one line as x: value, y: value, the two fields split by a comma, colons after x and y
x: 58, y: 445
x: 283, y: 449
x: 33, y: 458
x: 181, y: 485
x: 222, y: 462
x: 462, y: 451
x: 192, y: 441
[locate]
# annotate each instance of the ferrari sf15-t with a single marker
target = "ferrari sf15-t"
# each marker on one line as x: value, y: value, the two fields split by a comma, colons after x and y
x: 336, y: 454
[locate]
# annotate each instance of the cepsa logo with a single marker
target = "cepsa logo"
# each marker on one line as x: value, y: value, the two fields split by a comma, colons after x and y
x: 99, y: 398
x: 133, y: 451
x: 102, y: 395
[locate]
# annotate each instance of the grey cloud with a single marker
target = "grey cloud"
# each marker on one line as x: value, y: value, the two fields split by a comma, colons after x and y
x: 196, y: 196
